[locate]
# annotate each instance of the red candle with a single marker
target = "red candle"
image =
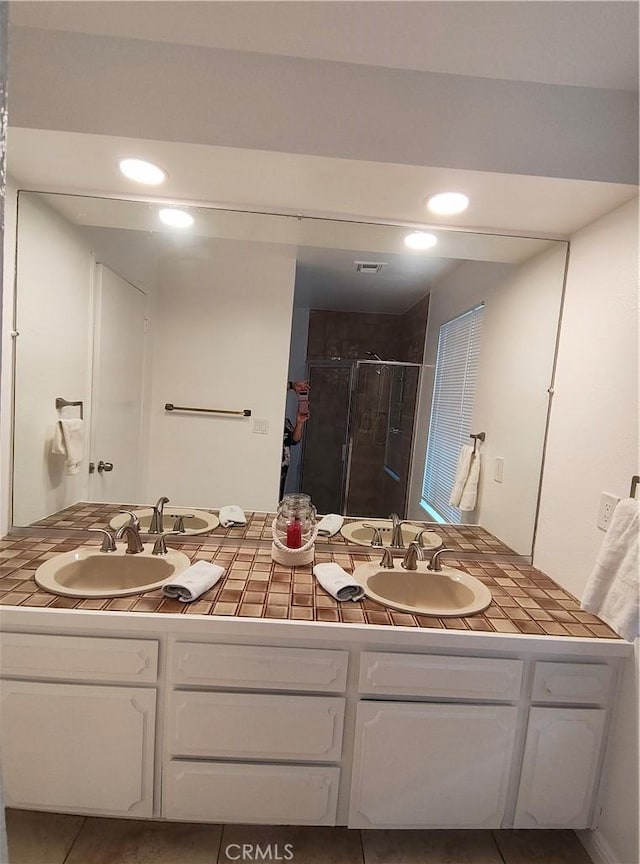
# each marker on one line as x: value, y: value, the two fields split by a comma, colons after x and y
x: 294, y: 534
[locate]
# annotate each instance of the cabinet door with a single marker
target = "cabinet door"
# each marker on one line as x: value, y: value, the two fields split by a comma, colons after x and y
x: 560, y: 768
x: 78, y: 748
x: 431, y: 766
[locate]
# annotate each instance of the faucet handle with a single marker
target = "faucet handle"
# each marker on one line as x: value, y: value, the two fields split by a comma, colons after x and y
x: 108, y: 539
x: 387, y: 560
x: 178, y: 525
x: 133, y: 519
x: 160, y: 546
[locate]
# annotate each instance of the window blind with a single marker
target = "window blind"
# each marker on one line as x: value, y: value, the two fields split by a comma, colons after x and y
x: 451, y: 410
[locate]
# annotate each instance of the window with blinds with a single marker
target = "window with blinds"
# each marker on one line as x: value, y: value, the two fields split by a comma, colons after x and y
x: 451, y: 410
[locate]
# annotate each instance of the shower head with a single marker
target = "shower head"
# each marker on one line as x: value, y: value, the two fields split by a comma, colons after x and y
x: 373, y: 355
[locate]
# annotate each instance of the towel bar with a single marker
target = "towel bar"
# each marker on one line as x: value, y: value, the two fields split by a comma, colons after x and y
x: 64, y: 403
x: 246, y: 412
x: 634, y: 485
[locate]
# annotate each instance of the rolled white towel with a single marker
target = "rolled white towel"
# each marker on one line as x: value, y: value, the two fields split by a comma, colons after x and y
x: 230, y: 515
x: 338, y: 582
x: 330, y: 524
x: 193, y: 582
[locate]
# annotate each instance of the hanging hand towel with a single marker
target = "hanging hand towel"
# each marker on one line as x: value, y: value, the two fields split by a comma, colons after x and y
x: 613, y: 589
x: 192, y: 582
x: 230, y: 515
x: 337, y: 582
x: 68, y: 441
x: 464, y: 494
x: 330, y: 524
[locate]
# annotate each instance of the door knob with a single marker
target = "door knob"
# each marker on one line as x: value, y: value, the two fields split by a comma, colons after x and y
x: 105, y: 466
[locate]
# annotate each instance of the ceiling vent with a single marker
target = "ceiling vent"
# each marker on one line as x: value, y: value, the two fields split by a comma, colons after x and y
x: 368, y: 266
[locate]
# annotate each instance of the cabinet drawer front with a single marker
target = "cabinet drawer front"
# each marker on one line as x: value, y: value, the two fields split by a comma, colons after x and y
x: 253, y: 726
x: 82, y: 658
x: 588, y: 684
x: 264, y: 668
x: 440, y: 676
x: 262, y: 794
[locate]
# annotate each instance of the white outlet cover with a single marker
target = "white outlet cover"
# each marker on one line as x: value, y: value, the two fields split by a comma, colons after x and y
x: 608, y: 504
x: 260, y: 427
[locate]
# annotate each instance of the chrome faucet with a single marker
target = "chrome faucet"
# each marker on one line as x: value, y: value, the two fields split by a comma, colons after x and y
x: 156, y: 526
x: 377, y: 534
x: 397, y: 540
x: 414, y: 553
x: 434, y: 564
x: 134, y: 541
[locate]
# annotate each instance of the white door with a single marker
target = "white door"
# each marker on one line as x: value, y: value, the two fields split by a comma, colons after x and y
x: 116, y: 419
x: 431, y: 766
x: 560, y: 768
x: 78, y: 748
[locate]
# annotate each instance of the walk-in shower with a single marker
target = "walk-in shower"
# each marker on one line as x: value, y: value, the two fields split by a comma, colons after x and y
x: 358, y: 440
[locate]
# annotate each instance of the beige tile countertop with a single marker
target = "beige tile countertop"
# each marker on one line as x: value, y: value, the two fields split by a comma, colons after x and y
x: 525, y: 601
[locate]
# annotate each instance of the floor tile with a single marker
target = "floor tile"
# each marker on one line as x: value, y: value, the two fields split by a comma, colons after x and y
x: 541, y: 847
x: 306, y: 845
x: 430, y: 847
x: 123, y: 841
x: 40, y: 838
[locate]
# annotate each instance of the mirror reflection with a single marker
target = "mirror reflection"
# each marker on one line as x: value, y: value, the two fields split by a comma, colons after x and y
x: 179, y: 343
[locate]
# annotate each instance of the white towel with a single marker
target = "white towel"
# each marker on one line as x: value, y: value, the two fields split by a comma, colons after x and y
x: 613, y: 589
x: 193, y: 581
x: 68, y: 441
x: 230, y: 515
x: 338, y: 582
x: 464, y: 494
x: 330, y: 524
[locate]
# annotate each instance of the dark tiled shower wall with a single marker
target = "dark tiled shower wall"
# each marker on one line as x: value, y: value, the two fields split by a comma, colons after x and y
x: 413, y: 331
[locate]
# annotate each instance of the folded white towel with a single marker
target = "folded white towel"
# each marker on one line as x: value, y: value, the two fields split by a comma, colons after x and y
x: 232, y: 514
x: 338, y: 582
x: 68, y: 441
x: 193, y: 581
x: 464, y: 494
x: 613, y: 589
x: 330, y: 524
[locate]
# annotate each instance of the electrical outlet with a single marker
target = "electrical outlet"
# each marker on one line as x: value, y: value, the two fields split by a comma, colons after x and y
x: 607, y: 506
x: 260, y: 427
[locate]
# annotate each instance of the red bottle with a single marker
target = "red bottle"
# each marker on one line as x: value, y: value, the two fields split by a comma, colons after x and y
x: 294, y: 534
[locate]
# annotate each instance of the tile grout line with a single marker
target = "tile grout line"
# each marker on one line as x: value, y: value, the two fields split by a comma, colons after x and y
x: 75, y: 839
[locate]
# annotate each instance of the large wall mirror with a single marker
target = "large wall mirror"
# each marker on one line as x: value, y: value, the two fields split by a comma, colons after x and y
x: 408, y: 352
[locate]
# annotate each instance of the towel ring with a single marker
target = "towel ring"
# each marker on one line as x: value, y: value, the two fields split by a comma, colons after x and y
x: 480, y: 436
x: 634, y: 485
x: 64, y: 403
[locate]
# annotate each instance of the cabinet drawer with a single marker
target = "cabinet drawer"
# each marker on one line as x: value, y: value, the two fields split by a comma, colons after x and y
x: 254, y: 726
x: 262, y: 794
x: 440, y: 676
x: 259, y: 667
x: 581, y: 683
x: 82, y: 658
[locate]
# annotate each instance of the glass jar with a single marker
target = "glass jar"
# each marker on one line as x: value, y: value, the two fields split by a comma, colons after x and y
x: 295, y: 520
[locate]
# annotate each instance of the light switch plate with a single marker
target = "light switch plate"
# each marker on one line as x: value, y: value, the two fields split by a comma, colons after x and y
x: 499, y: 469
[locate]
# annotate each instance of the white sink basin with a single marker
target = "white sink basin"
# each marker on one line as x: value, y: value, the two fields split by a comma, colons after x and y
x: 200, y: 522
x: 87, y: 572
x: 446, y: 594
x: 362, y: 532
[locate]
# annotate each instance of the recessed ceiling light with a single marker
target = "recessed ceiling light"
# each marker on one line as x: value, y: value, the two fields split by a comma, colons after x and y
x: 448, y: 203
x: 176, y: 218
x: 142, y: 172
x: 420, y: 240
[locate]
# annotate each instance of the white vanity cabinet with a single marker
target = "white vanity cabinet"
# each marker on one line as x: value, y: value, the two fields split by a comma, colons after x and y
x: 563, y: 745
x: 71, y: 745
x: 262, y: 757
x: 433, y: 764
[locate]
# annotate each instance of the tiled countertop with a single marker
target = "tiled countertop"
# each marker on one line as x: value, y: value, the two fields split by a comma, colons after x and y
x: 525, y: 601
x: 466, y: 538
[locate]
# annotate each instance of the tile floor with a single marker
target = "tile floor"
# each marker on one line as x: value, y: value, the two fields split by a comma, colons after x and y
x: 52, y: 838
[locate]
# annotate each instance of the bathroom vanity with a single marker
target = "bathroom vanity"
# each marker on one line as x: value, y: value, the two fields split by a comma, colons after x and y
x: 232, y: 718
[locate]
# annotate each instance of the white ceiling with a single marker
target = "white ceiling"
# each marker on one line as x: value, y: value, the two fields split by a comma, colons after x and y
x: 586, y: 44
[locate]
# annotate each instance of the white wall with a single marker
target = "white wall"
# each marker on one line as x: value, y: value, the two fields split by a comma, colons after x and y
x: 521, y: 308
x: 221, y: 328
x: 52, y: 358
x: 593, y: 447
